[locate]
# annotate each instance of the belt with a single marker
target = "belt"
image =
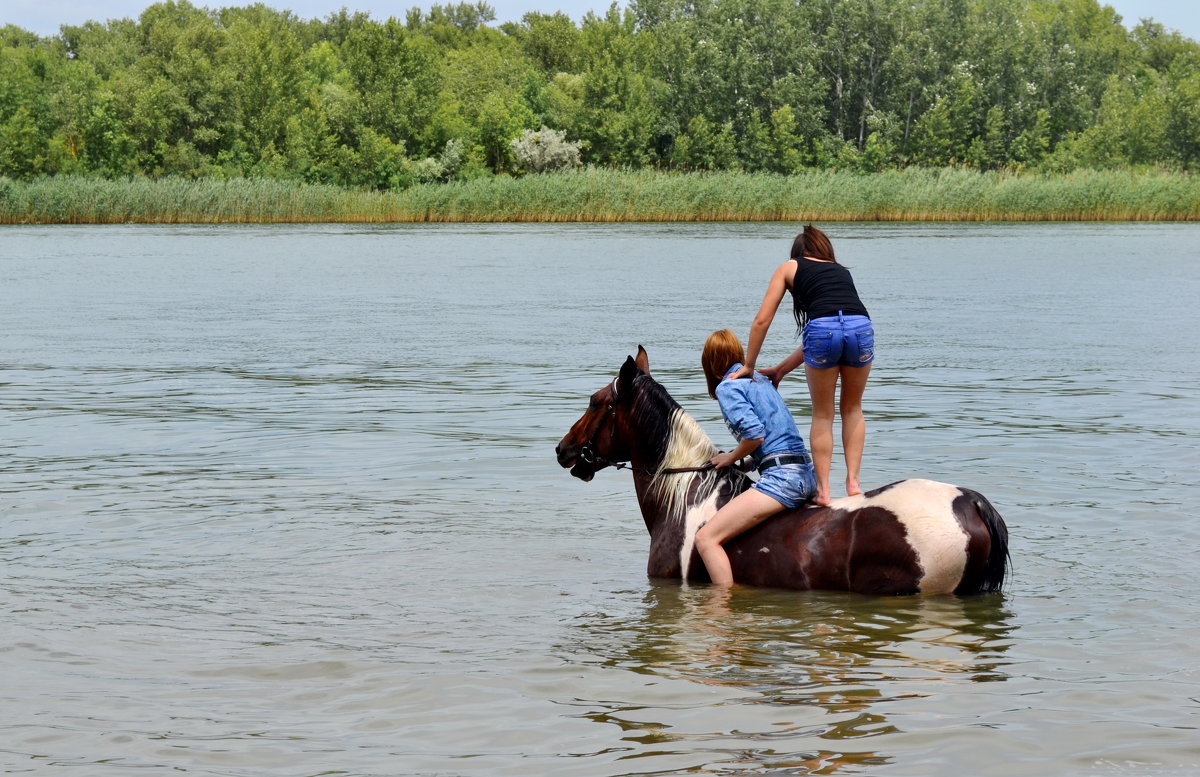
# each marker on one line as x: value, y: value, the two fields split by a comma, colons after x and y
x: 783, y: 458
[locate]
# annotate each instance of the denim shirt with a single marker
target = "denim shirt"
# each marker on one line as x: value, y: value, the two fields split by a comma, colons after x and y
x: 753, y: 410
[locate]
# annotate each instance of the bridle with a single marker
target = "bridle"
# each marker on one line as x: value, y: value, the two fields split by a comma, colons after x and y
x: 589, y: 456
x: 587, y: 452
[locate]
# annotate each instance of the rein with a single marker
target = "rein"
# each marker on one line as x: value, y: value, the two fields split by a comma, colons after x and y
x: 667, y: 471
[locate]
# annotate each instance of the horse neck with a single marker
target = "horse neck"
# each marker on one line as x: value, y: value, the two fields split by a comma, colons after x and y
x: 667, y: 438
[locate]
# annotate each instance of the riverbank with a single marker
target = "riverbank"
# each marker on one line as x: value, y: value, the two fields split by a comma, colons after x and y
x: 614, y: 196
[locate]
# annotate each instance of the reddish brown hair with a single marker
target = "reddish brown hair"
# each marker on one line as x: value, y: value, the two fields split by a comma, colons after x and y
x: 722, y: 350
x: 812, y: 242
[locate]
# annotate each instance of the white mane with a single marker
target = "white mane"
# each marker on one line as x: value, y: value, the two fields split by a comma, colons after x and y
x: 688, y: 446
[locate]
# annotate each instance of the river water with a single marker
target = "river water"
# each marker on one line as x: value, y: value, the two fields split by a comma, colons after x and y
x: 282, y: 500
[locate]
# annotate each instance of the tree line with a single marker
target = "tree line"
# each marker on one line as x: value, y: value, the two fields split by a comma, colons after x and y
x: 445, y: 93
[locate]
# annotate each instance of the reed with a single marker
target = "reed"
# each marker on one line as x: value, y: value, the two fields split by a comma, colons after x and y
x: 614, y: 195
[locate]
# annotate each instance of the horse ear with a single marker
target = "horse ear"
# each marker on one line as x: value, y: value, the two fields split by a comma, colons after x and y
x: 643, y: 360
x: 629, y: 371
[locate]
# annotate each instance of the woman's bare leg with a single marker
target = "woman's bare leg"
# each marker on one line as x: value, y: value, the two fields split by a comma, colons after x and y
x: 739, y: 514
x: 822, y: 387
x: 854, y: 426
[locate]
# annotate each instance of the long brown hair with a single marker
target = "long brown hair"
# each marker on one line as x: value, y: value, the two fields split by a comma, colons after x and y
x: 722, y: 350
x: 813, y: 242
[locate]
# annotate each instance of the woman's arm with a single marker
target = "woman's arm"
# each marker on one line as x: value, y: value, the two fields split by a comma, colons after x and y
x: 766, y: 314
x: 743, y: 449
x: 793, y: 360
x: 742, y: 420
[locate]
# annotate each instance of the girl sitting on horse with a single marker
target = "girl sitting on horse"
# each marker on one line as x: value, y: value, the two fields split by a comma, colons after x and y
x: 765, y: 431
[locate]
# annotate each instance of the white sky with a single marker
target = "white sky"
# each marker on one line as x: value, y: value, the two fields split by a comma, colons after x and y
x: 45, y: 16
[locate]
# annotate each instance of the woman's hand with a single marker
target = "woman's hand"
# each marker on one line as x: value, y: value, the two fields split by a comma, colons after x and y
x: 722, y: 460
x: 793, y: 360
x: 743, y: 449
x: 741, y: 372
x: 773, y: 373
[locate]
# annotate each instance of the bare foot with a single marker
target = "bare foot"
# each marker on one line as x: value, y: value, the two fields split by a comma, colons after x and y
x: 821, y: 499
x: 852, y: 487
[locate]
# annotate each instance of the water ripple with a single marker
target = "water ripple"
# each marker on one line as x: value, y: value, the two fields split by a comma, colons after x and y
x: 285, y: 498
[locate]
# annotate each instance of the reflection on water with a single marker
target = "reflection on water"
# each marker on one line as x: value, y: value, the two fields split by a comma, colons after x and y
x: 791, y: 668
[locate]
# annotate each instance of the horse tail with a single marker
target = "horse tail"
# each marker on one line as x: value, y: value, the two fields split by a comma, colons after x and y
x: 991, y: 578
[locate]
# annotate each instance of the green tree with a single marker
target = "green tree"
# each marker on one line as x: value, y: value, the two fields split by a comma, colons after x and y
x: 264, y: 60
x: 396, y: 80
x: 452, y: 26
x: 927, y: 51
x: 500, y: 121
x: 1181, y: 126
x: 477, y: 80
x: 108, y: 149
x: 944, y: 133
x: 174, y: 98
x: 25, y: 111
x: 620, y: 118
x: 1034, y: 142
x: 788, y: 155
x: 1159, y: 48
x: 705, y: 146
x: 550, y: 40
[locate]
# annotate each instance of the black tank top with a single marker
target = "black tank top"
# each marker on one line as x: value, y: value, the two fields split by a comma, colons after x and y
x: 822, y: 289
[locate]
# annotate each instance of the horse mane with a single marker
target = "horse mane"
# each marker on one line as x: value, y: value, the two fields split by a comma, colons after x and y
x: 674, y: 440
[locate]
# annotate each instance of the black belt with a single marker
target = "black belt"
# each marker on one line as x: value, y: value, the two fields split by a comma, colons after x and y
x: 784, y: 458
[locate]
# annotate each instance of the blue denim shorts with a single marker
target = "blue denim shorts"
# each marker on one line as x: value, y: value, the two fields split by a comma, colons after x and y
x: 839, y: 340
x: 788, y: 484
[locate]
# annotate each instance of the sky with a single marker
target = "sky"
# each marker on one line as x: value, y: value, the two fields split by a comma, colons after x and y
x: 45, y: 16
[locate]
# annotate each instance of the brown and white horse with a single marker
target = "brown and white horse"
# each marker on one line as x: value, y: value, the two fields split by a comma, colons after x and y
x: 913, y: 536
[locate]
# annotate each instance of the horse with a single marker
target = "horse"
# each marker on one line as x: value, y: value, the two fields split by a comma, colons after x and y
x: 909, y: 537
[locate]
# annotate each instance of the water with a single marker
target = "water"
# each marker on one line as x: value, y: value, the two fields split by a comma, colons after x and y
x: 283, y: 501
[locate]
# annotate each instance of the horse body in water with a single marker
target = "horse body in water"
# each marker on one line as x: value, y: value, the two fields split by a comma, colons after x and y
x: 914, y: 536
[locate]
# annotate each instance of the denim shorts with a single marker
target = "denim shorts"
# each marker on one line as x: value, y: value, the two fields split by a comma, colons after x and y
x: 788, y: 484
x: 848, y: 341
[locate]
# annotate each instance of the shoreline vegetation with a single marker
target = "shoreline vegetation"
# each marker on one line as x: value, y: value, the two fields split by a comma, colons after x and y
x: 603, y: 195
x: 664, y: 111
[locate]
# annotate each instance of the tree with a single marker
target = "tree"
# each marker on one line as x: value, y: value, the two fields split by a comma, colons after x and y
x: 264, y: 60
x: 1181, y: 127
x: 500, y: 121
x: 787, y: 156
x: 395, y: 76
x: 452, y: 26
x: 944, y: 133
x: 25, y: 112
x: 619, y: 117
x: 544, y: 151
x: 1159, y: 48
x: 486, y: 98
x: 550, y: 40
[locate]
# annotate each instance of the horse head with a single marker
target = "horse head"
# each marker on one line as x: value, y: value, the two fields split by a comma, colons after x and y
x: 601, y: 437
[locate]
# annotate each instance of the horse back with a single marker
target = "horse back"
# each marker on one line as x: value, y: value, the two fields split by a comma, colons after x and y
x: 827, y: 549
x: 913, y: 536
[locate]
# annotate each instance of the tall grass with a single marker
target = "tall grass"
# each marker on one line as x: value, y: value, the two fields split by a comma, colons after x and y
x: 611, y: 195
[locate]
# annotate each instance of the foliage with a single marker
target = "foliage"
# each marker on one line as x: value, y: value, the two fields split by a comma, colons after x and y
x: 595, y: 194
x: 443, y: 95
x: 544, y: 151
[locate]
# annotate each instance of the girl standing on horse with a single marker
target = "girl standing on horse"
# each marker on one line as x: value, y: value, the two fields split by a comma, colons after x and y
x: 838, y: 342
x: 765, y: 431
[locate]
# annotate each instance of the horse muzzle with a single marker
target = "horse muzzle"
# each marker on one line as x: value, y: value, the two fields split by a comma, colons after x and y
x: 580, y: 461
